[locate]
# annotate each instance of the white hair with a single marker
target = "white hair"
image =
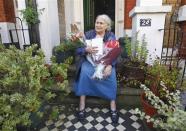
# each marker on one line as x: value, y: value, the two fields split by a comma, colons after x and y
x: 107, y: 20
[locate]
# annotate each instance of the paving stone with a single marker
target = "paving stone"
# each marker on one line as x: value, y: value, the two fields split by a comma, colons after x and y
x: 97, y: 119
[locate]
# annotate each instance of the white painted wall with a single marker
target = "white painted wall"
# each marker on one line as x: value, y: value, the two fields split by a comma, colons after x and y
x: 4, y: 31
x: 182, y: 13
x: 48, y: 26
x: 128, y: 32
x: 119, y: 18
x: 20, y: 6
x: 154, y: 37
x: 78, y: 14
x: 74, y: 14
x: 148, y: 2
x: 69, y: 9
x: 6, y: 26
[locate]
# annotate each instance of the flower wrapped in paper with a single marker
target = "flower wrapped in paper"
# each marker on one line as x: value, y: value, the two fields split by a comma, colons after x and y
x: 107, y: 52
x: 111, y: 51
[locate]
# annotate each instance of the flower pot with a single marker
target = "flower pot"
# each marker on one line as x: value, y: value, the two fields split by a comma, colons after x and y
x: 20, y: 127
x: 130, y: 75
x: 148, y: 109
x: 37, y: 120
x: 62, y: 56
x: 154, y: 83
x: 183, y: 99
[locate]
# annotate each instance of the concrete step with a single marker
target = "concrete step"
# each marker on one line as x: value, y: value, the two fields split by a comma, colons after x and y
x: 126, y: 98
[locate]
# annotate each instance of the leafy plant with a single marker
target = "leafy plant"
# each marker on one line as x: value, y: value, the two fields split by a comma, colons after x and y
x: 170, y: 115
x: 131, y: 71
x: 66, y: 49
x: 58, y: 79
x: 128, y: 45
x: 68, y: 45
x: 22, y: 90
x: 160, y: 72
x: 139, y: 52
x: 54, y: 113
x: 31, y: 14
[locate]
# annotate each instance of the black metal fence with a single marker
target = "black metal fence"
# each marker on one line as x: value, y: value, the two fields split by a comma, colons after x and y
x: 17, y: 34
x: 173, y: 45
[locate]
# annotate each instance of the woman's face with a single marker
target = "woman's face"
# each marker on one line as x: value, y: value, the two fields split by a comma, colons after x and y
x: 100, y: 25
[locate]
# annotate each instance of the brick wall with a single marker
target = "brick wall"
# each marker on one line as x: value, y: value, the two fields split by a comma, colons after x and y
x: 183, y: 2
x: 7, y: 11
x: 129, y: 5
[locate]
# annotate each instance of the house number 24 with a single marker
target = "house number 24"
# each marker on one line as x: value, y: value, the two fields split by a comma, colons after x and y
x: 145, y: 22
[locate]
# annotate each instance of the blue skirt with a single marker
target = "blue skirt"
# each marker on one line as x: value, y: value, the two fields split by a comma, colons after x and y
x: 87, y: 86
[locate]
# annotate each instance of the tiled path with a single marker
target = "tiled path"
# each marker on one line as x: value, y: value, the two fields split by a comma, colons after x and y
x: 97, y: 119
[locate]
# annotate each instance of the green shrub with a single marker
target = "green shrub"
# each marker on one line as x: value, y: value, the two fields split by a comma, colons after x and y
x: 22, y: 90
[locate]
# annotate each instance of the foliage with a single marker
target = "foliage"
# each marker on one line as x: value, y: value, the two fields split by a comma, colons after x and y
x: 131, y: 71
x: 31, y: 14
x: 22, y: 90
x: 140, y: 52
x: 161, y: 72
x: 54, y: 113
x: 170, y: 116
x: 58, y: 79
x: 128, y: 45
x: 68, y: 45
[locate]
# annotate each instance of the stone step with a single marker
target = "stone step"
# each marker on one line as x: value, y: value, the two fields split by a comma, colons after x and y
x: 126, y: 98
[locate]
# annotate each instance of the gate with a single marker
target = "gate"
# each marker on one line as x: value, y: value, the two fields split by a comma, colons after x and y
x: 174, y: 49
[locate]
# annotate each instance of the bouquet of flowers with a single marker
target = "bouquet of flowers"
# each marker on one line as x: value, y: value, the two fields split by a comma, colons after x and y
x: 111, y: 51
x: 107, y: 52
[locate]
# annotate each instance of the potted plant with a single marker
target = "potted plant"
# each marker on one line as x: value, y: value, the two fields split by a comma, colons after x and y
x: 160, y: 72
x: 131, y: 70
x: 170, y: 115
x: 31, y: 14
x: 154, y: 75
x: 66, y: 49
x: 22, y: 89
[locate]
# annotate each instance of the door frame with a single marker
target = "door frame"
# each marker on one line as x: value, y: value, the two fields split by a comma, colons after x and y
x: 77, y: 16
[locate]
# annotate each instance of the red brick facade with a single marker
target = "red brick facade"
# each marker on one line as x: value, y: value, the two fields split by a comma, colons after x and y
x: 183, y: 2
x: 129, y: 5
x: 7, y: 13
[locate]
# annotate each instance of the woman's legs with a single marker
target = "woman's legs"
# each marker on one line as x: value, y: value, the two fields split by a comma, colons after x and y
x: 113, y: 105
x: 82, y: 103
x: 81, y: 112
x: 113, y: 112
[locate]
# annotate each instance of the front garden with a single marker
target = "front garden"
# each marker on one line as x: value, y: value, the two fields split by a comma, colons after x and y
x: 28, y: 84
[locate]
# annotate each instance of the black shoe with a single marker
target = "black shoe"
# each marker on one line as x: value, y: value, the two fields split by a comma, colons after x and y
x: 81, y: 115
x: 114, y: 116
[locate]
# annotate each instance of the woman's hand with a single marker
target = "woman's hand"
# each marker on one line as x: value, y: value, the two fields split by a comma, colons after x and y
x: 107, y: 71
x: 77, y: 36
x: 91, y: 50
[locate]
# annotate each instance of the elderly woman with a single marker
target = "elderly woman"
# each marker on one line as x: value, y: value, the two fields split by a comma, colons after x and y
x: 85, y: 85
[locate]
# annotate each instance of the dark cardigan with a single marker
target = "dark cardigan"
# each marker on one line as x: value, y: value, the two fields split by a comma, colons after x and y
x: 81, y: 54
